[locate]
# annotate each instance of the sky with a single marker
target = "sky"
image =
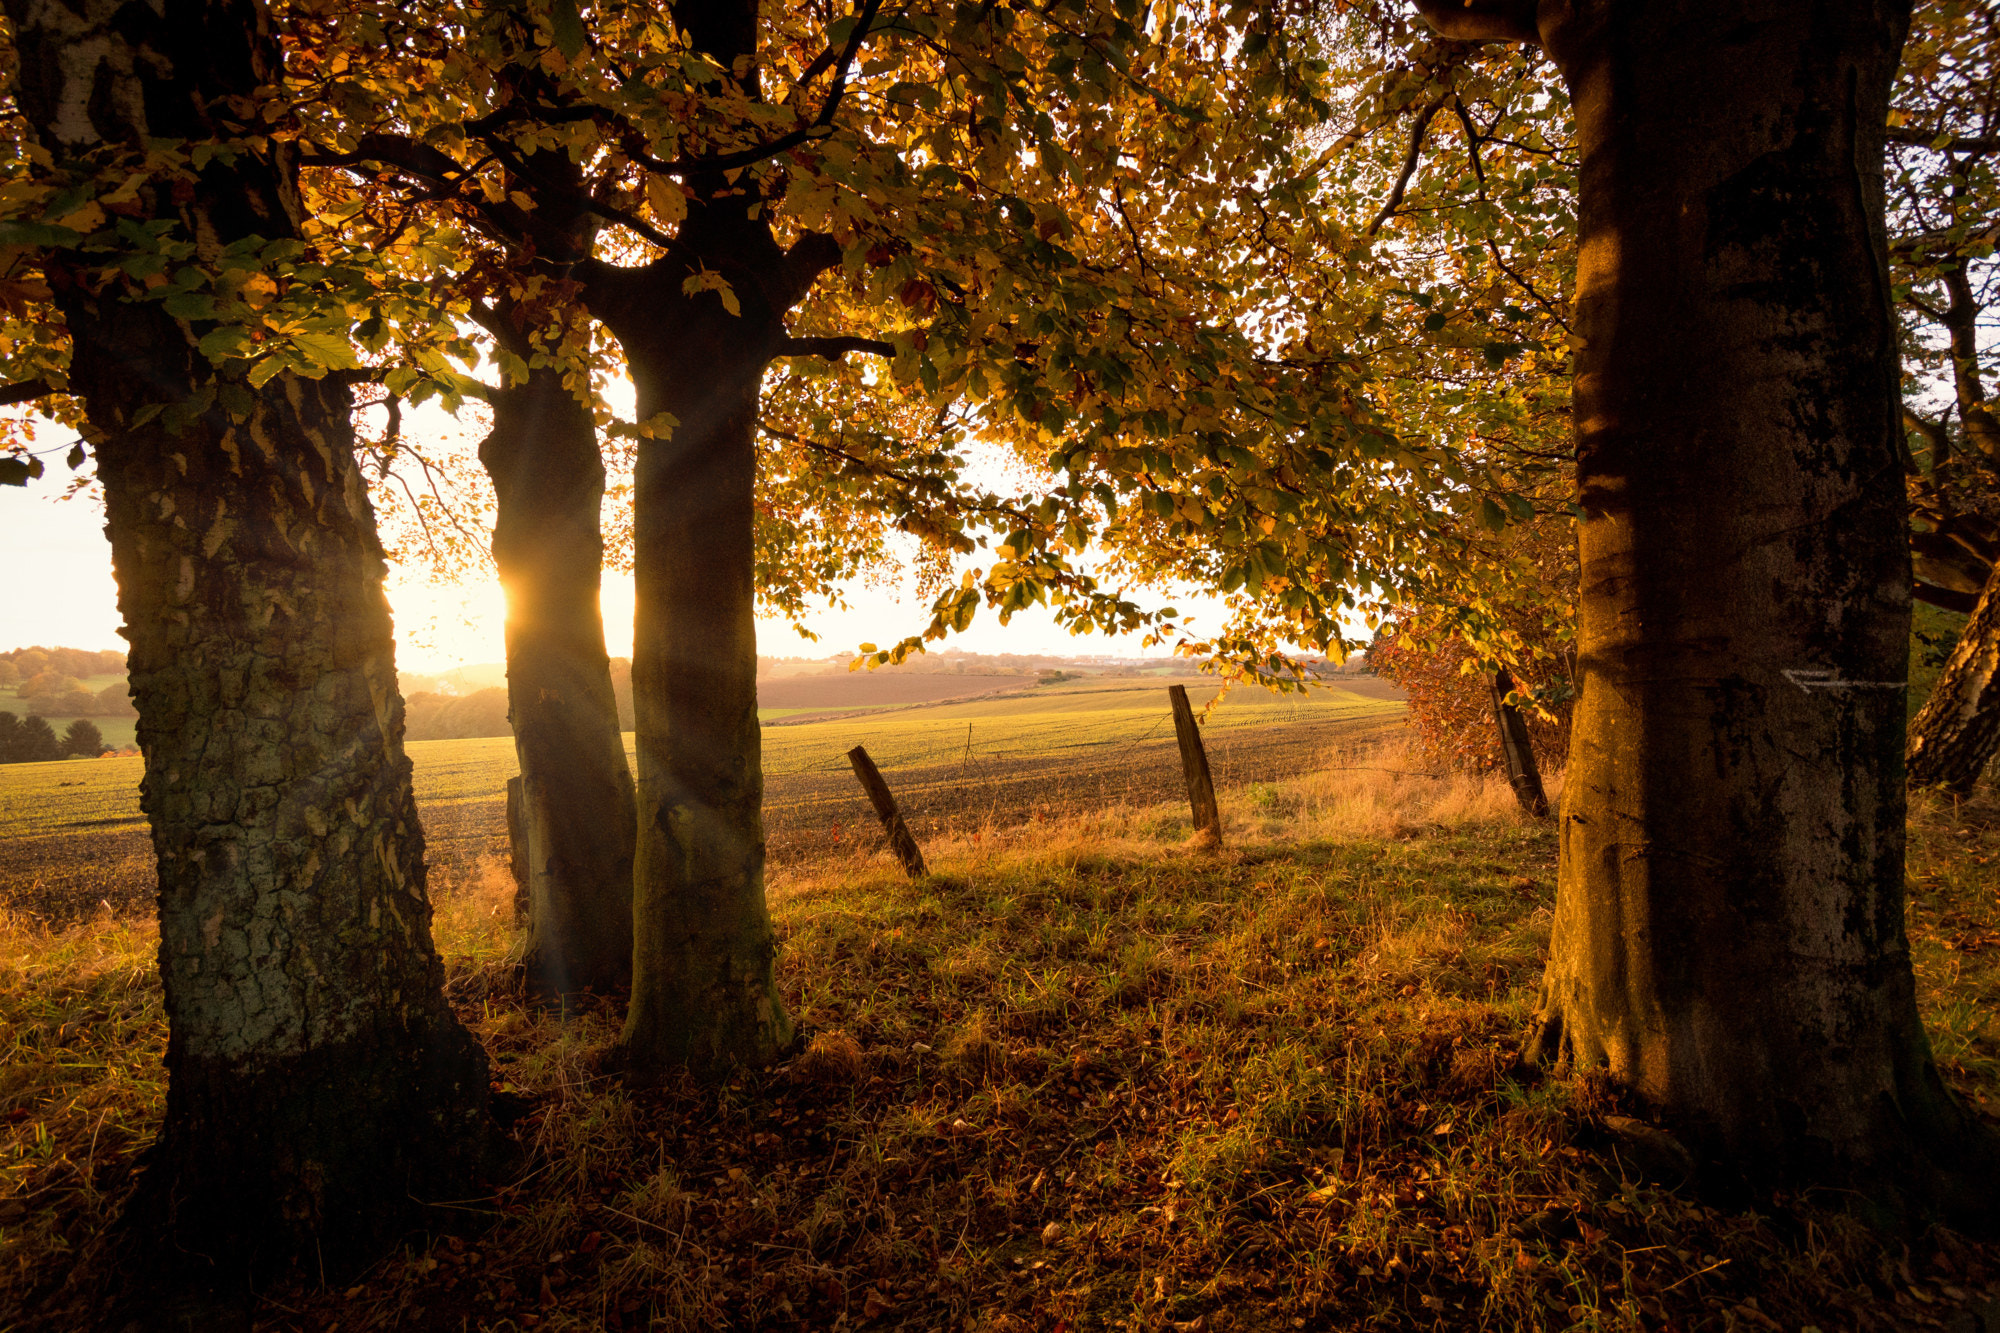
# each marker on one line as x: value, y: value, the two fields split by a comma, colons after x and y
x: 61, y: 594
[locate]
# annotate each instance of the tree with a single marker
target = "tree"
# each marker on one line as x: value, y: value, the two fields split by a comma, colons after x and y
x: 114, y: 701
x: 36, y: 742
x: 83, y: 738
x: 581, y: 818
x: 27, y: 741
x: 1945, y: 215
x: 1729, y: 931
x: 318, y: 1084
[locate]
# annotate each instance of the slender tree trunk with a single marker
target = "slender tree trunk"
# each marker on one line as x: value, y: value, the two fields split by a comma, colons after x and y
x: 1517, y: 752
x: 576, y: 788
x: 1729, y: 937
x: 1953, y: 739
x: 318, y: 1084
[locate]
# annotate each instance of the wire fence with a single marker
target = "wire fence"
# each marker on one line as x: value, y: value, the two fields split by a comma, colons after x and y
x: 999, y: 782
x: 948, y: 779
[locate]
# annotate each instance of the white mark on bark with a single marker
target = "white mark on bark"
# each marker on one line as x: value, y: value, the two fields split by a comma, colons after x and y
x: 1809, y: 679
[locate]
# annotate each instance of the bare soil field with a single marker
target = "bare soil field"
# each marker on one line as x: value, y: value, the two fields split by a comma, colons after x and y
x: 878, y: 689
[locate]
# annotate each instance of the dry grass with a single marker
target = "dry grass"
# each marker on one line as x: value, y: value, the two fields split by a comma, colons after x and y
x: 1082, y: 1077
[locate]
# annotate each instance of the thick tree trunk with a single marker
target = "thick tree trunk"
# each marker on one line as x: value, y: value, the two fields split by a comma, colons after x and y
x: 1953, y: 739
x: 318, y: 1084
x: 704, y: 989
x: 576, y: 788
x: 1729, y: 937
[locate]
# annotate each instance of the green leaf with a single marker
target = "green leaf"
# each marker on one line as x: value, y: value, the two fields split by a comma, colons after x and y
x: 190, y: 305
x: 231, y: 340
x: 566, y: 26
x: 325, y: 350
x: 265, y: 371
x: 19, y: 471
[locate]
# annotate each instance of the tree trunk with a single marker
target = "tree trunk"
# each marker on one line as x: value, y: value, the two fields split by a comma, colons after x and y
x: 1517, y: 752
x: 1954, y: 737
x: 1729, y: 938
x: 576, y: 788
x: 318, y: 1084
x: 704, y: 989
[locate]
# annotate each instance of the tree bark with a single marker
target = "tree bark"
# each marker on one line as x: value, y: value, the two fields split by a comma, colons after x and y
x: 1729, y: 939
x: 704, y: 988
x: 579, y: 816
x: 318, y: 1084
x: 1517, y: 752
x: 1953, y: 739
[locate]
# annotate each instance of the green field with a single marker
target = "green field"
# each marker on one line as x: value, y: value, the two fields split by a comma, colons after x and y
x: 118, y: 732
x: 1056, y: 724
x: 72, y: 836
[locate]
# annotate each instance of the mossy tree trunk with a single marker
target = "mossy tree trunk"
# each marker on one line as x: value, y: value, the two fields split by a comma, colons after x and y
x: 578, y: 809
x: 1729, y: 940
x: 319, y: 1086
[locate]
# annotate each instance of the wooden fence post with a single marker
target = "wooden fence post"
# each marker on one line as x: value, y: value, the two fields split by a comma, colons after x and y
x: 1517, y: 750
x: 1194, y: 767
x: 900, y: 842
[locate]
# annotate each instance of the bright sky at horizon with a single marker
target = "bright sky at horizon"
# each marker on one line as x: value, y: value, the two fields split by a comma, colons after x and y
x: 63, y: 594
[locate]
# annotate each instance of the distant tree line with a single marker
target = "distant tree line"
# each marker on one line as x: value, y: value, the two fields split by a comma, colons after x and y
x: 20, y: 664
x: 50, y: 681
x: 32, y: 740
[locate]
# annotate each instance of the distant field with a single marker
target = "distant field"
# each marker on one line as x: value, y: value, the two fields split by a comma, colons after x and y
x: 875, y: 689
x: 71, y: 834
x: 117, y: 731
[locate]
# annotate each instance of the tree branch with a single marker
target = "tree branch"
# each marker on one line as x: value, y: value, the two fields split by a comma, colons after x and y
x: 833, y: 349
x: 27, y: 391
x: 1975, y: 144
x: 1944, y: 598
x: 1483, y: 20
x: 1410, y: 160
x: 811, y: 255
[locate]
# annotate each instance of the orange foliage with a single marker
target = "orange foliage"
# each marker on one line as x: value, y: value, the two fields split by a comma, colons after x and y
x: 1529, y: 630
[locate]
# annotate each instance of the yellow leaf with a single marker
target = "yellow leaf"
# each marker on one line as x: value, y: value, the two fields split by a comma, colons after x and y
x: 86, y: 219
x: 668, y: 203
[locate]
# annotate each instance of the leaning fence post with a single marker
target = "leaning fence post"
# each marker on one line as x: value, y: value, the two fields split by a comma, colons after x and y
x: 1194, y: 767
x: 1516, y: 749
x: 900, y: 842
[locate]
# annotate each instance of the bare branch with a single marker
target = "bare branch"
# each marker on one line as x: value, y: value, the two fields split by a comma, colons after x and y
x: 1410, y: 159
x: 27, y: 391
x: 833, y: 349
x: 1971, y: 144
x: 1483, y: 20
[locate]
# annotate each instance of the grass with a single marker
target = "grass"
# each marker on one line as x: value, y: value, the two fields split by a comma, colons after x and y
x: 1083, y: 1077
